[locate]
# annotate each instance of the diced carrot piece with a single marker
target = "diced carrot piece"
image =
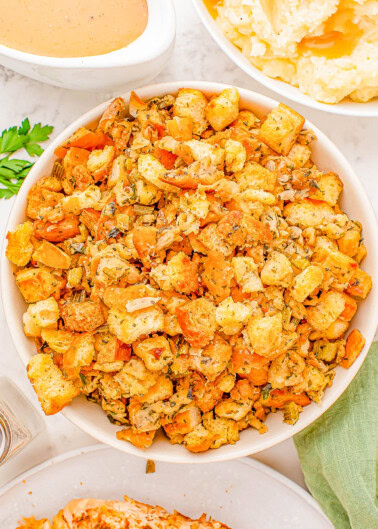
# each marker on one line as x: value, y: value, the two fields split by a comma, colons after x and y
x: 57, y: 232
x: 123, y: 352
x: 60, y: 152
x: 87, y: 139
x: 279, y: 397
x: 350, y: 308
x: 354, y: 345
x: 165, y: 157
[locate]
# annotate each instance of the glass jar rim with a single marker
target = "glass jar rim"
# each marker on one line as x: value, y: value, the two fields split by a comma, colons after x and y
x: 6, y: 437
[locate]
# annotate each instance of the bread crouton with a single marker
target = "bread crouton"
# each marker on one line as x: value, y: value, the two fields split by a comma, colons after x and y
x: 134, y: 378
x: 308, y: 213
x: 180, y: 274
x: 306, y: 282
x: 82, y: 316
x: 264, y: 332
x: 20, y: 249
x: 39, y: 198
x: 58, y: 340
x: 52, y: 256
x: 359, y: 284
x: 246, y: 274
x: 155, y: 352
x: 277, y: 270
x: 81, y: 352
x: 37, y: 284
x: 231, y: 316
x: 191, y: 103
x: 197, y: 321
x: 217, y: 275
x: 40, y: 315
x: 53, y: 390
x: 223, y: 109
x: 255, y: 176
x: 281, y: 128
x: 331, y: 305
x: 328, y: 189
x: 213, y: 359
x: 128, y: 327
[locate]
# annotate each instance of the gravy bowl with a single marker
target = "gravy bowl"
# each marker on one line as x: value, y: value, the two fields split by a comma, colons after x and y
x: 89, y: 416
x: 133, y: 65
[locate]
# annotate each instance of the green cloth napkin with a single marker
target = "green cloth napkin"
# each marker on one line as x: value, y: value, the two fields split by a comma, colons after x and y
x: 338, y: 452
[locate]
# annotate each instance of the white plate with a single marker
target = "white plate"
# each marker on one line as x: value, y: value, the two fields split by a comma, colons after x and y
x: 243, y: 494
x: 346, y: 108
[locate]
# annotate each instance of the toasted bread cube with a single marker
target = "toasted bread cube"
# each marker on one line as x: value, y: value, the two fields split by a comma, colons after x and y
x: 255, y: 176
x: 151, y: 170
x: 329, y: 187
x: 246, y: 274
x: 20, y: 249
x: 331, y: 305
x: 306, y: 282
x: 128, y: 327
x: 191, y: 103
x: 40, y: 315
x: 231, y: 316
x: 82, y: 316
x: 180, y: 274
x: 41, y: 198
x: 359, y: 284
x: 197, y: 321
x: 53, y: 390
x: 58, y: 340
x: 299, y: 155
x: 161, y: 390
x: 337, y: 329
x: 199, y: 439
x: 36, y: 284
x: 52, y: 256
x: 217, y: 275
x: 135, y: 379
x: 349, y: 243
x: 180, y: 128
x: 264, y: 332
x: 200, y: 150
x: 281, y: 128
x: 74, y: 277
x: 223, y: 109
x: 139, y: 439
x: 213, y: 359
x: 82, y: 200
x: 339, y: 266
x: 236, y: 155
x: 100, y: 161
x: 308, y: 214
x: 81, y: 352
x: 277, y: 270
x: 184, y: 422
x: 155, y: 352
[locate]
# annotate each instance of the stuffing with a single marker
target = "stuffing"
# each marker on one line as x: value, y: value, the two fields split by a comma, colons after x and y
x: 54, y: 392
x: 190, y: 271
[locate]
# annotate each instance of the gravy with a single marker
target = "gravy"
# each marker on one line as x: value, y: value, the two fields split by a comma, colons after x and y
x: 71, y: 28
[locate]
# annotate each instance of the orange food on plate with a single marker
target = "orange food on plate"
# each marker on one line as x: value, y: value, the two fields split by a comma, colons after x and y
x: 188, y: 268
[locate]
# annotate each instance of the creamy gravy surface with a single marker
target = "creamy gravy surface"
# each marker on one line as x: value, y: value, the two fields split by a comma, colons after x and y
x: 71, y: 28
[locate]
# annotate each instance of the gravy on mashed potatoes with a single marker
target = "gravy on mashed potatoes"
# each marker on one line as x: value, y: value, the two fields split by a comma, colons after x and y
x: 71, y: 28
x: 328, y: 49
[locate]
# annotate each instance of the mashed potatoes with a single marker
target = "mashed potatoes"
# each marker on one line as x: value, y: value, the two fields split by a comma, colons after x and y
x: 328, y: 49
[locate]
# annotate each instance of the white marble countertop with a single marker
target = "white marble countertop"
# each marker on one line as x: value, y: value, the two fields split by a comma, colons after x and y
x: 196, y: 57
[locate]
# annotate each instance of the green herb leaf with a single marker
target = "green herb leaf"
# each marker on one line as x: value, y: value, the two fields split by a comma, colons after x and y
x: 13, y: 171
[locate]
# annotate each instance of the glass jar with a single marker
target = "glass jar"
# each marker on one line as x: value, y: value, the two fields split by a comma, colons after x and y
x: 19, y: 420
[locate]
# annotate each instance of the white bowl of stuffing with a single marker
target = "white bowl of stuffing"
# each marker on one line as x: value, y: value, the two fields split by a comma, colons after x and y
x: 96, y: 45
x: 321, y: 54
x: 181, y: 270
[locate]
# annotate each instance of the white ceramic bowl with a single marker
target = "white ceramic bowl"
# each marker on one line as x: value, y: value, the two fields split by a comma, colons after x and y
x: 89, y: 416
x: 125, y: 68
x: 346, y: 108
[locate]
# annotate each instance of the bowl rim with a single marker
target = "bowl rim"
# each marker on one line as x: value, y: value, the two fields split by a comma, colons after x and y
x: 262, y: 442
x: 135, y: 53
x: 349, y: 108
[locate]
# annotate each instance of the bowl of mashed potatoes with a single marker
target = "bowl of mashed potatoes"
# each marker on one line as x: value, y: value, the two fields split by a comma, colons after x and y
x: 320, y: 54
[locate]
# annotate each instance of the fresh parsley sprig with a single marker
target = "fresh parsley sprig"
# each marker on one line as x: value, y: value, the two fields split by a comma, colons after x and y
x: 12, y: 170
